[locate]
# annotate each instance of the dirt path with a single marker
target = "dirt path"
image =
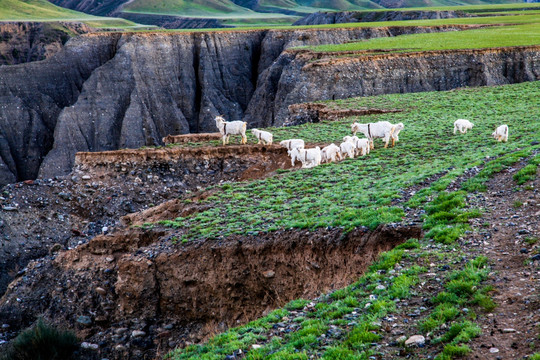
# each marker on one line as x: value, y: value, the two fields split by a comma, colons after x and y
x: 506, y: 235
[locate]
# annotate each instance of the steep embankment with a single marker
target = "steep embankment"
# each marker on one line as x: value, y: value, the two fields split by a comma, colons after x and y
x: 288, y: 80
x: 94, y: 7
x: 110, y: 91
x: 22, y: 42
x: 133, y: 292
x: 39, y: 217
x: 342, y: 17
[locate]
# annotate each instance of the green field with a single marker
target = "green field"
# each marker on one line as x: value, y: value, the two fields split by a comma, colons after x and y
x: 497, y: 36
x: 369, y: 191
x: 300, y: 199
x: 287, y: 11
x: 42, y: 10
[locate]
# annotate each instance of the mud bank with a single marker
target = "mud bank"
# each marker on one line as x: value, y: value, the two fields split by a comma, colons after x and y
x: 139, y: 280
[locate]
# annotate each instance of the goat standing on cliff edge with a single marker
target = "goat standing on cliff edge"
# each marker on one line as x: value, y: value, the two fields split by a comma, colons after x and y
x: 228, y: 128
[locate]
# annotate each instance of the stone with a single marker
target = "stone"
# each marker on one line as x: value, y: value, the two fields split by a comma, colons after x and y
x: 137, y: 333
x: 416, y: 340
x: 101, y: 291
x: 84, y: 320
x: 89, y: 346
x: 86, y: 177
x: 120, y: 347
x: 269, y: 274
x: 509, y: 330
x: 493, y: 350
x: 380, y: 287
x: 256, y: 346
x: 401, y: 339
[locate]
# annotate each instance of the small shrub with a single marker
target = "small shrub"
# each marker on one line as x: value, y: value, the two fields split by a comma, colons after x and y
x: 42, y: 341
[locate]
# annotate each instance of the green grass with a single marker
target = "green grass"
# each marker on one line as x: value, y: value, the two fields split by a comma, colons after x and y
x: 353, y: 193
x: 528, y: 172
x: 499, y: 36
x: 42, y: 10
x: 42, y: 341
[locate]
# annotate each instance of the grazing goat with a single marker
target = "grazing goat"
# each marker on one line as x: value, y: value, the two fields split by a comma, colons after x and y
x: 361, y: 145
x: 396, y: 129
x: 381, y: 129
x: 292, y: 144
x: 228, y: 128
x: 264, y: 136
x: 308, y: 157
x: 347, y: 148
x: 501, y: 133
x: 330, y: 153
x: 462, y: 125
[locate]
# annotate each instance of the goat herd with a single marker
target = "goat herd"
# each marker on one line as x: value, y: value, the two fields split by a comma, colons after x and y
x: 351, y: 146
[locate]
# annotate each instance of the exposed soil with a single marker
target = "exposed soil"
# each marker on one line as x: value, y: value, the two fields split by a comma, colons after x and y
x: 314, y: 113
x: 513, y: 217
x: 40, y: 216
x: 177, y: 294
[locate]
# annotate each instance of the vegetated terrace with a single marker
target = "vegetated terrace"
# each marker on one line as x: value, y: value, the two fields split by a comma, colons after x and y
x: 389, y: 185
x: 525, y: 32
x: 363, y: 191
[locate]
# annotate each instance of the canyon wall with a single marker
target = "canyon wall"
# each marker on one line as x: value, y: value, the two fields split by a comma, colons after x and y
x: 126, y: 90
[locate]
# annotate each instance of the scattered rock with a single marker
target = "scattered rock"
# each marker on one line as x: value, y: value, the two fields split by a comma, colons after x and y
x: 509, y: 330
x: 84, y: 320
x: 416, y: 340
x: 137, y: 333
x: 493, y: 350
x: 89, y: 346
x: 269, y: 274
x: 101, y: 291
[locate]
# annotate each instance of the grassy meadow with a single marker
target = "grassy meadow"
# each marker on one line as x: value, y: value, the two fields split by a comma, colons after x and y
x: 346, y: 324
x: 44, y: 11
x: 364, y: 191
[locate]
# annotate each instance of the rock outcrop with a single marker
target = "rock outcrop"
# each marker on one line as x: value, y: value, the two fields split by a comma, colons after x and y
x: 298, y: 77
x: 22, y: 42
x: 114, y: 90
x: 342, y: 17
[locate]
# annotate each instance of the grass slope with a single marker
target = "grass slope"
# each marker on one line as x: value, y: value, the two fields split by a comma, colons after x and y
x: 497, y: 36
x: 354, y: 193
x: 346, y: 324
x: 239, y: 11
x: 42, y: 10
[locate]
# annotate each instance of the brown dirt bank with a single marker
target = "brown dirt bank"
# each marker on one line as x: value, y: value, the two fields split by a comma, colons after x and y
x: 139, y: 280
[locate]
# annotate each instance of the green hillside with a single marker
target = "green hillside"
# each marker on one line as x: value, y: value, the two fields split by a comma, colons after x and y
x: 42, y: 10
x: 242, y: 10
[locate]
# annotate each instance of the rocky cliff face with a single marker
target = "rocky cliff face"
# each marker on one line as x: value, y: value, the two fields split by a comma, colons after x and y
x: 298, y: 77
x: 111, y: 91
x: 342, y: 17
x: 22, y: 42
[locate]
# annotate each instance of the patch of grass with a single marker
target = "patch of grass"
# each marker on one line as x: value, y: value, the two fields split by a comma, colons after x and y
x: 42, y: 341
x: 528, y: 172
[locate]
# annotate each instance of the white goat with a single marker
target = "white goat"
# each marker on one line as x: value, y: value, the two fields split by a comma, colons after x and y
x: 330, y: 153
x: 462, y: 125
x: 228, y: 128
x: 361, y: 146
x: 308, y: 157
x: 501, y: 133
x: 292, y: 144
x: 396, y: 129
x: 347, y: 148
x: 381, y: 129
x: 264, y: 136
